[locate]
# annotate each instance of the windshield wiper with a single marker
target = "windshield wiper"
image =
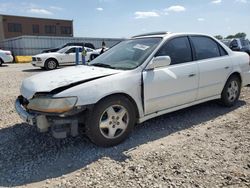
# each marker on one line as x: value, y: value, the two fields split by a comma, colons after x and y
x: 103, y: 65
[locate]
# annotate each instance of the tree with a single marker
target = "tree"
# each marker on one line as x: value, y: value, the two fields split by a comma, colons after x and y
x: 237, y: 35
x: 240, y: 35
x: 230, y: 37
x: 218, y: 37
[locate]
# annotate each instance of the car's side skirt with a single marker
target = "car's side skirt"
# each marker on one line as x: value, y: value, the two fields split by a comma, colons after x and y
x: 150, y: 116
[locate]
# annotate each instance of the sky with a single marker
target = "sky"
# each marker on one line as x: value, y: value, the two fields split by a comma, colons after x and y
x: 125, y: 18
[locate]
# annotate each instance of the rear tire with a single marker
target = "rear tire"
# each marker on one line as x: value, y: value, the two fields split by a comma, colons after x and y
x: 231, y: 91
x: 111, y: 121
x: 1, y: 62
x: 51, y: 64
x: 91, y: 57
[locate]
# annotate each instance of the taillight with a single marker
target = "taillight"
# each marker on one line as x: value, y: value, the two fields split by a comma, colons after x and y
x: 8, y: 53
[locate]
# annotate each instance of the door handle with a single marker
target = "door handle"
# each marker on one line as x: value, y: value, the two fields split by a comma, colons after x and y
x: 227, y: 67
x: 191, y: 75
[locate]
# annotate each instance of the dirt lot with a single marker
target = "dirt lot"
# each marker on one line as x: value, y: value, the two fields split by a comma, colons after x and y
x: 203, y: 146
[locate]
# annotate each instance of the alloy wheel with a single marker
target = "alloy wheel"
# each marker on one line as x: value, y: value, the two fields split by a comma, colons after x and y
x: 51, y: 64
x: 232, y: 91
x: 114, y: 121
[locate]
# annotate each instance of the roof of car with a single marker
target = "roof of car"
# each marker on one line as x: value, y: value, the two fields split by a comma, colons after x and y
x: 73, y: 47
x: 165, y: 33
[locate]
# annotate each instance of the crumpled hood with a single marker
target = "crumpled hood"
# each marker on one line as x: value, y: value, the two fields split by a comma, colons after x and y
x: 48, y: 81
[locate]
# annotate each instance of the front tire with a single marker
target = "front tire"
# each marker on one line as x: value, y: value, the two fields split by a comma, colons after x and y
x: 231, y: 91
x: 111, y: 121
x: 50, y: 64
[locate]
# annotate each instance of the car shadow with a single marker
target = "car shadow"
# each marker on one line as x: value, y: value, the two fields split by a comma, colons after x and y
x: 4, y: 65
x: 44, y: 70
x: 35, y: 156
x: 33, y: 70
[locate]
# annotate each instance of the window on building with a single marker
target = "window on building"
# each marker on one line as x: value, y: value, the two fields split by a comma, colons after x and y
x: 66, y: 30
x: 14, y: 27
x: 50, y: 29
x: 35, y: 28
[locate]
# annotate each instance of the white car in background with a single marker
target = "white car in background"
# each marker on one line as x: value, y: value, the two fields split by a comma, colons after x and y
x: 136, y: 80
x: 5, y: 57
x: 64, y: 56
x: 97, y: 52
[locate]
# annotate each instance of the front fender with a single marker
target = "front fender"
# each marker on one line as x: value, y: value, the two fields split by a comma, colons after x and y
x: 93, y: 91
x: 50, y: 57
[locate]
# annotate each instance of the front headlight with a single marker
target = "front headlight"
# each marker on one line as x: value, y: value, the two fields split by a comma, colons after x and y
x: 52, y: 105
x: 39, y: 59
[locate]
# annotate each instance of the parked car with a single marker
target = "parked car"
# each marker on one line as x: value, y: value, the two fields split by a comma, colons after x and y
x: 96, y: 53
x: 88, y: 45
x: 64, y: 56
x: 5, y: 57
x: 136, y: 80
x: 238, y: 44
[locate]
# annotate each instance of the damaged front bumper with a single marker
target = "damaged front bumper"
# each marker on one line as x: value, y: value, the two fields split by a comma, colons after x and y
x: 60, y: 125
x: 24, y: 115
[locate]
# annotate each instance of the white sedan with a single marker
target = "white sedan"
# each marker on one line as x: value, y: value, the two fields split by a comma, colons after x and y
x: 5, y: 57
x: 138, y: 79
x: 64, y: 56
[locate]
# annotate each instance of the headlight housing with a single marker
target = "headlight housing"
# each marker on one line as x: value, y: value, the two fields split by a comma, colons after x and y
x: 52, y: 105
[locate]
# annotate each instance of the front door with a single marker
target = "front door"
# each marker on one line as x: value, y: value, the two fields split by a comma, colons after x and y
x: 70, y: 56
x: 174, y: 85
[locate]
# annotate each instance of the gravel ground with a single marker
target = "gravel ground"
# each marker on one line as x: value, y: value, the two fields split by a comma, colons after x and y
x: 203, y: 146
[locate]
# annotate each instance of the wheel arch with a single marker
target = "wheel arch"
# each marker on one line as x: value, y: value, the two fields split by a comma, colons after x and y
x: 125, y: 95
x: 52, y: 58
x: 236, y: 73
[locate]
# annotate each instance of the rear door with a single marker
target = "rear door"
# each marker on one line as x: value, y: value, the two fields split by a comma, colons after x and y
x: 214, y: 66
x: 174, y: 85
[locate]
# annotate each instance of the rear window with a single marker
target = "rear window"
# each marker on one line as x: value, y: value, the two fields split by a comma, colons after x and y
x: 205, y: 47
x: 244, y: 42
x: 222, y: 51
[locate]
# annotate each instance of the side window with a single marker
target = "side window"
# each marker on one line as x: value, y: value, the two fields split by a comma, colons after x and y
x: 222, y: 51
x: 88, y: 50
x: 178, y: 49
x: 71, y: 50
x: 205, y: 47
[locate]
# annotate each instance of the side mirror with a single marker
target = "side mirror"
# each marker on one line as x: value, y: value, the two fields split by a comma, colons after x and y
x: 235, y: 48
x: 160, y: 61
x: 234, y: 45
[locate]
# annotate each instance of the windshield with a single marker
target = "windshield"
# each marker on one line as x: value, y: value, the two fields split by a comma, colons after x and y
x: 128, y: 54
